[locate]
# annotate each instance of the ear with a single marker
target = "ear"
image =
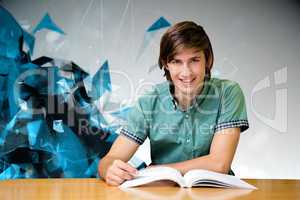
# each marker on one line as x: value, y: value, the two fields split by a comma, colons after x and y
x: 166, y: 67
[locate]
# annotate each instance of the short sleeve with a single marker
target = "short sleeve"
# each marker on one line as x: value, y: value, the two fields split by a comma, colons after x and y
x: 232, y: 111
x: 136, y: 128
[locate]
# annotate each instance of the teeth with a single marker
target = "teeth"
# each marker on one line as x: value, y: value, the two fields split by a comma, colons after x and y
x: 186, y: 81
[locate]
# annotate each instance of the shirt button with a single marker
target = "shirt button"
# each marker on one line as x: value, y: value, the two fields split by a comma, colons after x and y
x: 188, y: 140
x: 186, y: 116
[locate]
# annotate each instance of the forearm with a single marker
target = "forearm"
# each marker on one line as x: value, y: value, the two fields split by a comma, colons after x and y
x: 207, y: 162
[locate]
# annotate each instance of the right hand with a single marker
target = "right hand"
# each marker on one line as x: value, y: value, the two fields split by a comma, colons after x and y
x: 118, y: 172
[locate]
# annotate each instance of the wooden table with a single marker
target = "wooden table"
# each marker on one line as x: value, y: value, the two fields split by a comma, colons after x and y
x: 96, y: 189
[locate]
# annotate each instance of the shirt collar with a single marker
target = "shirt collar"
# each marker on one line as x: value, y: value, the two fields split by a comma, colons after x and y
x: 165, y: 92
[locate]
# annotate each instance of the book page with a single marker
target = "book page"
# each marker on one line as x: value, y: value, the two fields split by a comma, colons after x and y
x: 198, y: 176
x: 152, y: 174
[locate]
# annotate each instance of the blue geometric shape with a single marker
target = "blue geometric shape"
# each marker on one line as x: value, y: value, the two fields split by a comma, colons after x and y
x: 150, y: 33
x: 34, y: 129
x: 148, y: 36
x: 92, y: 169
x: 159, y: 24
x: 10, y: 35
x: 12, y: 172
x: 29, y: 40
x: 28, y: 66
x: 96, y: 119
x: 30, y: 126
x: 4, y: 63
x: 13, y: 106
x: 73, y: 164
x: 101, y: 82
x: 47, y: 23
x: 24, y: 115
x: 123, y: 113
x: 39, y: 81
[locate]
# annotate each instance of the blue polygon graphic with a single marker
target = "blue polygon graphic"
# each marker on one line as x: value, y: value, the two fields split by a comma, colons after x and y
x: 10, y: 36
x: 150, y: 33
x: 29, y: 40
x: 101, y: 81
x: 50, y: 126
x: 47, y: 23
x: 123, y: 113
x: 159, y: 24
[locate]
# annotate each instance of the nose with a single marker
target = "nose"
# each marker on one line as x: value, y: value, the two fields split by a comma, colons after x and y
x: 185, y: 71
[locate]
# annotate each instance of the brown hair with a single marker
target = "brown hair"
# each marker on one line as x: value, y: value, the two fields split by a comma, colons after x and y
x: 185, y: 34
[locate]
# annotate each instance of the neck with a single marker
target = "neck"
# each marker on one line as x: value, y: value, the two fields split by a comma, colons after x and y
x: 185, y: 100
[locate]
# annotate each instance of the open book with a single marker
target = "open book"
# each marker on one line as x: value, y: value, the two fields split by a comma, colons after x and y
x: 193, y: 178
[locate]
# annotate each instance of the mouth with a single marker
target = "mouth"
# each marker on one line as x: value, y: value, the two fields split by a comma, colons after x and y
x: 187, y: 81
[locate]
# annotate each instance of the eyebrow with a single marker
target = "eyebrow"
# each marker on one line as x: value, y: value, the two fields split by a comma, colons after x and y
x: 189, y: 58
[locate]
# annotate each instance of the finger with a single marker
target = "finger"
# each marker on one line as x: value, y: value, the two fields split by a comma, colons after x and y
x: 116, y: 179
x: 122, y: 174
x: 126, y: 167
x: 112, y: 183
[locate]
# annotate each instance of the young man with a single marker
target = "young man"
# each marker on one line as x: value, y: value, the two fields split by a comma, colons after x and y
x: 192, y: 120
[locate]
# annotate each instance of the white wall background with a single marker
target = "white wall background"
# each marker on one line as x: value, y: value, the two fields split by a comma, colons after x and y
x: 256, y: 43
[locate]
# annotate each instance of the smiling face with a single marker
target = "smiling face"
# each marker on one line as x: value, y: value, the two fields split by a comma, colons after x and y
x: 187, y: 72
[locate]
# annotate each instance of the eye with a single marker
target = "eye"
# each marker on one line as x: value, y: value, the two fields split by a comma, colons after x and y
x: 175, y: 62
x: 195, y: 60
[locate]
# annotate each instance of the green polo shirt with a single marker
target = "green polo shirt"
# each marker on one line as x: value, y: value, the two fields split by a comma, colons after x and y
x: 176, y: 135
